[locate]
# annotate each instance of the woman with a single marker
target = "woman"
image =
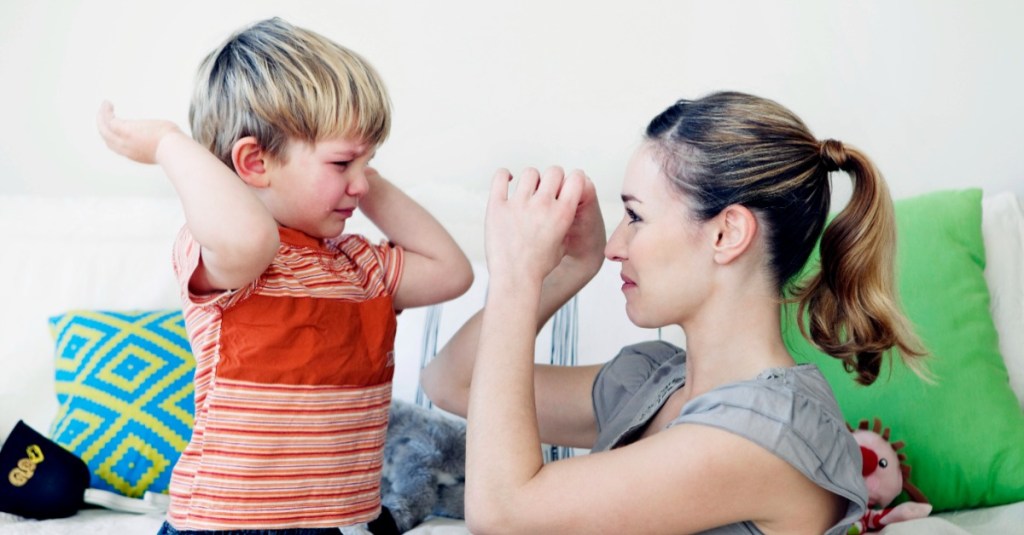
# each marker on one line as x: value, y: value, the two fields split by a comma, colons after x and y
x: 724, y: 201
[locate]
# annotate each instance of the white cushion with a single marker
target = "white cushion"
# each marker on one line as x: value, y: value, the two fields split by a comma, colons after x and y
x: 73, y: 253
x: 1003, y: 230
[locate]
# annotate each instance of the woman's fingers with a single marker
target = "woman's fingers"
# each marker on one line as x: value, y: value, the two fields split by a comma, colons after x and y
x: 589, y: 192
x: 532, y: 184
x: 526, y: 227
x: 528, y: 182
x: 551, y: 182
x: 499, y: 185
x: 572, y: 188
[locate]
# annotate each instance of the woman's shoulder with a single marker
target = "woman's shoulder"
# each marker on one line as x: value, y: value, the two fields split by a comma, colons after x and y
x: 627, y: 384
x: 652, y: 353
x: 792, y: 413
x: 798, y: 398
x: 635, y: 363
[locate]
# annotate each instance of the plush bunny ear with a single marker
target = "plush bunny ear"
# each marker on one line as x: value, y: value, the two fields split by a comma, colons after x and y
x: 38, y: 478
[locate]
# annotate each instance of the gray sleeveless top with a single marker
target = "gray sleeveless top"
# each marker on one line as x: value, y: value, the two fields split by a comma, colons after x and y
x: 788, y: 411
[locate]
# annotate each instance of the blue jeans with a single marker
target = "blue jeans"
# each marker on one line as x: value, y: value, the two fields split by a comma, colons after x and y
x: 168, y: 529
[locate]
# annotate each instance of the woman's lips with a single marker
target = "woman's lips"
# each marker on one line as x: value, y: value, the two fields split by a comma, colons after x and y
x: 627, y: 283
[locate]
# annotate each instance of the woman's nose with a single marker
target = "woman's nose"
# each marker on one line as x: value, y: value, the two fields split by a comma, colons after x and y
x: 614, y: 249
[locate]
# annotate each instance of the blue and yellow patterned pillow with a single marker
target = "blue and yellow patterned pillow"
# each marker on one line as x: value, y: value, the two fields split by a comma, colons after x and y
x: 124, y: 385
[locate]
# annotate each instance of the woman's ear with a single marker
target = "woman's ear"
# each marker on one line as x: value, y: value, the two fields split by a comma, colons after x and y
x: 736, y: 226
x: 249, y: 160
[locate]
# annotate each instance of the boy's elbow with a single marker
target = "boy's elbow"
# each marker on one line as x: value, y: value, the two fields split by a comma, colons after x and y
x: 231, y: 264
x: 458, y: 277
x: 261, y: 247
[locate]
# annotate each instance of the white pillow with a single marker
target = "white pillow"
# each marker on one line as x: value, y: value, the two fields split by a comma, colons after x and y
x: 1003, y: 230
x: 64, y: 253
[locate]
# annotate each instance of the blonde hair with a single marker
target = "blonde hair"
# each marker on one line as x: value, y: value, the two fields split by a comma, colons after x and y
x: 278, y: 82
x: 732, y: 148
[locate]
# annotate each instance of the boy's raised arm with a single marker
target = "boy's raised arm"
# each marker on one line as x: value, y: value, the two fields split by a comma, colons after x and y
x: 237, y: 233
x: 435, y: 269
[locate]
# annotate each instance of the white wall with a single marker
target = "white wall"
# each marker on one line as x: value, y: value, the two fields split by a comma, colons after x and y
x: 932, y: 90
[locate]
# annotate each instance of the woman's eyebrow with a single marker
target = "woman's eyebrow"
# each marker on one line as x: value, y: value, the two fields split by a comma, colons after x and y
x: 627, y: 197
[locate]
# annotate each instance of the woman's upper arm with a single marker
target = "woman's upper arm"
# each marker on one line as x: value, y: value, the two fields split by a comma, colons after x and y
x: 565, y: 414
x: 565, y: 409
x: 685, y: 479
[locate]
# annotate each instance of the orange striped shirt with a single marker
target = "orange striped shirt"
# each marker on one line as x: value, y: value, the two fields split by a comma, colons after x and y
x: 292, y: 386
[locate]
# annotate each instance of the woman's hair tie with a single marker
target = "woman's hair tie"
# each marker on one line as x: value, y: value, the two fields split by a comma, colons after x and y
x: 833, y: 154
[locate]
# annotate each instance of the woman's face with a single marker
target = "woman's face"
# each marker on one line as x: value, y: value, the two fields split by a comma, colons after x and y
x: 665, y: 254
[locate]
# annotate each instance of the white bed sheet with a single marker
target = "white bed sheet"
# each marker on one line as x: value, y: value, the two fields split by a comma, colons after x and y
x: 86, y: 522
x: 1002, y: 520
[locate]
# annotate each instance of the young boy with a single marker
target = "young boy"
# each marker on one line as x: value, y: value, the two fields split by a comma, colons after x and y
x: 291, y: 322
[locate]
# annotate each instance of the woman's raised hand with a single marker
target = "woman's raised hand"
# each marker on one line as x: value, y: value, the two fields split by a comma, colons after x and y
x: 585, y: 239
x: 527, y: 227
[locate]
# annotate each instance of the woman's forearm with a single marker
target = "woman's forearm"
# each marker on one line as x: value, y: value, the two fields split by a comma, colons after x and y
x: 504, y: 417
x: 447, y: 378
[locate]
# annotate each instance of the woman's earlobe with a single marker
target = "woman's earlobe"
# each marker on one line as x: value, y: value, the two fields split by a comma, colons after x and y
x: 249, y: 160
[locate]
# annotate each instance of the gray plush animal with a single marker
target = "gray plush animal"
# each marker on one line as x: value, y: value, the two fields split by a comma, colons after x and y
x: 424, y: 468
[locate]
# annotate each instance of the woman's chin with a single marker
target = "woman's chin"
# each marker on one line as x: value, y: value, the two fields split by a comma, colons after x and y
x: 645, y: 321
x: 637, y: 318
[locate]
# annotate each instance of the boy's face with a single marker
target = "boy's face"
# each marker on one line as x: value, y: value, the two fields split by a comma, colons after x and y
x: 318, y: 186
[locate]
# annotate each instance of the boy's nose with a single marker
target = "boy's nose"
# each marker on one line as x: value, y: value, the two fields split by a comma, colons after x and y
x: 358, y: 186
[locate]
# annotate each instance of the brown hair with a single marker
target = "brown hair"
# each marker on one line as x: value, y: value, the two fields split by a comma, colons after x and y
x: 732, y: 148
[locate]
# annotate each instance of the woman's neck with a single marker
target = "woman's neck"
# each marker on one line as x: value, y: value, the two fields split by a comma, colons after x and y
x: 733, y: 339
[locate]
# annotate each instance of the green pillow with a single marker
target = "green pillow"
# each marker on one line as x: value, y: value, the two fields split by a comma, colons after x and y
x: 124, y: 384
x: 964, y: 434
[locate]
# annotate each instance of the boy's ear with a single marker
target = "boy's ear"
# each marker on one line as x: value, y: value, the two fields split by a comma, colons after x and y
x: 249, y: 160
x: 736, y: 227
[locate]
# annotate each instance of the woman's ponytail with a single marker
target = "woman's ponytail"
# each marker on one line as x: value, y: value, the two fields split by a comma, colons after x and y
x: 850, y: 302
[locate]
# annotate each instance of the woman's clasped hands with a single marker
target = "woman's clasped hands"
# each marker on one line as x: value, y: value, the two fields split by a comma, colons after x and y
x: 543, y: 222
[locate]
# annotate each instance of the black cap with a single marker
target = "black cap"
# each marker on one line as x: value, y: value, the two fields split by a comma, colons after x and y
x: 39, y: 478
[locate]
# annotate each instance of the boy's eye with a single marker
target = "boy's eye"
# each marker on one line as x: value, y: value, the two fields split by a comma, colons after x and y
x: 342, y: 164
x: 633, y: 218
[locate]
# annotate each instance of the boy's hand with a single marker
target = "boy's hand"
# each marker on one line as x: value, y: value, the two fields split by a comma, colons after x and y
x: 371, y: 173
x: 134, y: 139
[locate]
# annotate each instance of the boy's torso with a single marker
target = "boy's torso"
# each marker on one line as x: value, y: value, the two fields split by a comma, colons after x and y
x: 293, y: 383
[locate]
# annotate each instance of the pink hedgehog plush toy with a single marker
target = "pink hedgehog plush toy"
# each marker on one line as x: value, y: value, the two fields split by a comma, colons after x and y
x: 886, y: 477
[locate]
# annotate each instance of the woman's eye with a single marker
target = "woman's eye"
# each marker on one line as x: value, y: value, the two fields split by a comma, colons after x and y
x: 633, y: 218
